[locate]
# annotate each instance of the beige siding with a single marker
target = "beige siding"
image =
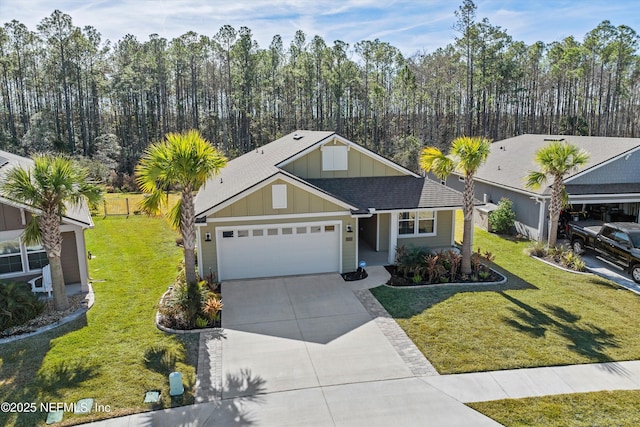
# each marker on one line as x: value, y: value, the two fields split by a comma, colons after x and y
x: 260, y: 203
x: 359, y: 164
x: 208, y: 250
x: 10, y: 218
x: 384, y: 220
x: 442, y: 239
x: 69, y: 258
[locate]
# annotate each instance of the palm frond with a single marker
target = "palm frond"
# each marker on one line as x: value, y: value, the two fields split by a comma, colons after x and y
x: 434, y: 160
x: 535, y: 179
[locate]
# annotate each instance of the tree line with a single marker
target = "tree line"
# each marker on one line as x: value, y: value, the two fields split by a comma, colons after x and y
x: 65, y: 89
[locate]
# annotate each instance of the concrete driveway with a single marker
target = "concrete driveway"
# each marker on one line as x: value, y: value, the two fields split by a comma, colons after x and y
x: 607, y: 271
x: 304, y: 351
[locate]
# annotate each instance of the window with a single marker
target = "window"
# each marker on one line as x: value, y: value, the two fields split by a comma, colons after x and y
x: 227, y: 234
x: 258, y: 233
x: 243, y: 233
x: 279, y: 196
x: 301, y: 230
x: 37, y: 257
x: 334, y: 157
x: 287, y: 230
x: 10, y: 258
x: 416, y: 223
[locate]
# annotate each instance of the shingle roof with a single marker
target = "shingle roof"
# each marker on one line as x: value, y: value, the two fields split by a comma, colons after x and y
x: 78, y: 213
x: 580, y: 189
x: 254, y: 167
x: 390, y: 192
x: 511, y: 159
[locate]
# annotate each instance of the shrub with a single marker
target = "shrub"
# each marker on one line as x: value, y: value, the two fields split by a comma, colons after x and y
x: 538, y: 249
x: 18, y: 304
x: 503, y: 218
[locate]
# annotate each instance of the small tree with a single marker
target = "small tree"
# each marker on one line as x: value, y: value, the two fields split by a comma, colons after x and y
x: 502, y: 219
x: 556, y: 160
x: 187, y: 161
x: 467, y: 154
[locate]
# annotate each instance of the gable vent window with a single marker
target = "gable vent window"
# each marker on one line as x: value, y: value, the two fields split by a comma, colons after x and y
x: 334, y: 157
x: 279, y: 196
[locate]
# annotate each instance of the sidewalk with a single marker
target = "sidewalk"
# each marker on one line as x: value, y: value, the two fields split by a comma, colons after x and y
x: 533, y: 382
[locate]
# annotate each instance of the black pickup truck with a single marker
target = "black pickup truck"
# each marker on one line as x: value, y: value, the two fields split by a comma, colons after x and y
x: 617, y: 243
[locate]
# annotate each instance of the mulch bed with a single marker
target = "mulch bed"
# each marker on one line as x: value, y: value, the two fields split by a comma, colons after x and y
x: 397, y: 280
x: 48, y: 316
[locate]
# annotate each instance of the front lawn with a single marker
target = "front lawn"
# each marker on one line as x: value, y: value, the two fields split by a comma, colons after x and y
x: 605, y: 408
x: 542, y: 316
x: 115, y: 353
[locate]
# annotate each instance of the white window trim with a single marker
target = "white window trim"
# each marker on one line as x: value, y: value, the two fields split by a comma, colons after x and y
x: 415, y: 225
x: 279, y: 196
x: 17, y: 235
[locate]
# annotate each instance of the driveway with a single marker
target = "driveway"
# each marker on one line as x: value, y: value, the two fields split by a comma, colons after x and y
x: 607, y: 271
x: 304, y: 351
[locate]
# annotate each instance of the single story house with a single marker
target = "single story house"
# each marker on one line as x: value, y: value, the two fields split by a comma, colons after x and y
x: 607, y: 187
x: 315, y: 202
x: 21, y: 262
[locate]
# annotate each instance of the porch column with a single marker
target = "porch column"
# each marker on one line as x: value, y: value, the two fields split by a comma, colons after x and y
x: 541, y: 218
x: 393, y: 237
x: 82, y: 254
x: 199, y: 251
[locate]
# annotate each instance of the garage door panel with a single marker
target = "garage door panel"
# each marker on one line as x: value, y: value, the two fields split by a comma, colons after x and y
x: 279, y: 250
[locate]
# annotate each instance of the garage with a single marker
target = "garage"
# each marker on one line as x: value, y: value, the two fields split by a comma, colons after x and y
x: 278, y: 250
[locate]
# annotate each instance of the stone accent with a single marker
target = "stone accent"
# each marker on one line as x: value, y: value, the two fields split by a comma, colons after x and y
x: 415, y: 360
x: 209, y: 382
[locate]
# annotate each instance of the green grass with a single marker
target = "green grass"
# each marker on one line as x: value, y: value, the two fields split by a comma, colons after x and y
x: 115, y: 353
x: 605, y: 409
x: 541, y: 317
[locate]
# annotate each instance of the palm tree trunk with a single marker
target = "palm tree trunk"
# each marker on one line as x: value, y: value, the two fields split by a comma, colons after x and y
x: 555, y: 206
x: 60, y: 300
x: 187, y: 229
x: 49, y: 225
x: 467, y: 201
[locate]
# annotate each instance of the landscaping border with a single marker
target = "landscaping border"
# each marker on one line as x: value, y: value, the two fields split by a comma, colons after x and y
x: 568, y: 270
x: 90, y: 298
x: 442, y: 285
x: 180, y: 331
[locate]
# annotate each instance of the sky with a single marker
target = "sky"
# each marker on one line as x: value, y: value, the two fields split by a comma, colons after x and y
x: 411, y: 26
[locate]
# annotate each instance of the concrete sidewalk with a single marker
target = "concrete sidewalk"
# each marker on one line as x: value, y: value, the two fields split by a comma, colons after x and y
x: 533, y: 382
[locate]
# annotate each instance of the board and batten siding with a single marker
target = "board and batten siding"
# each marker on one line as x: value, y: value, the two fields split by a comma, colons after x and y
x: 359, y: 165
x: 259, y: 203
x: 10, y: 218
x: 623, y: 170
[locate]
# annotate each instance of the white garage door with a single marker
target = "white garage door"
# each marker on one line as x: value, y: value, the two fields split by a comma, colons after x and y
x: 278, y: 250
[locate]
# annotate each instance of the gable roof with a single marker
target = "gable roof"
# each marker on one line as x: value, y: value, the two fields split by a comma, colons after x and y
x: 249, y: 170
x: 76, y: 214
x: 390, y: 192
x: 510, y: 160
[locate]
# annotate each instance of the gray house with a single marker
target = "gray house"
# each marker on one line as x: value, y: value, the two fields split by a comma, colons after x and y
x: 607, y: 188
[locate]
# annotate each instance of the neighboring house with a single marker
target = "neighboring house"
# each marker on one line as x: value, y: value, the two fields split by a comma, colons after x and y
x: 607, y: 187
x: 21, y: 262
x: 314, y: 202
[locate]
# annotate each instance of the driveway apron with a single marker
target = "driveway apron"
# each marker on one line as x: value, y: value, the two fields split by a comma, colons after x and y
x: 304, y: 351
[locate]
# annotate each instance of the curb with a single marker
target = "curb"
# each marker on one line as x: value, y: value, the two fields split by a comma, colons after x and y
x: 560, y: 267
x: 90, y: 298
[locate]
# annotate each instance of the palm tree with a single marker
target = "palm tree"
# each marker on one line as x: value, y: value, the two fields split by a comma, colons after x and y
x: 556, y: 160
x: 184, y: 160
x: 51, y: 186
x: 466, y: 155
